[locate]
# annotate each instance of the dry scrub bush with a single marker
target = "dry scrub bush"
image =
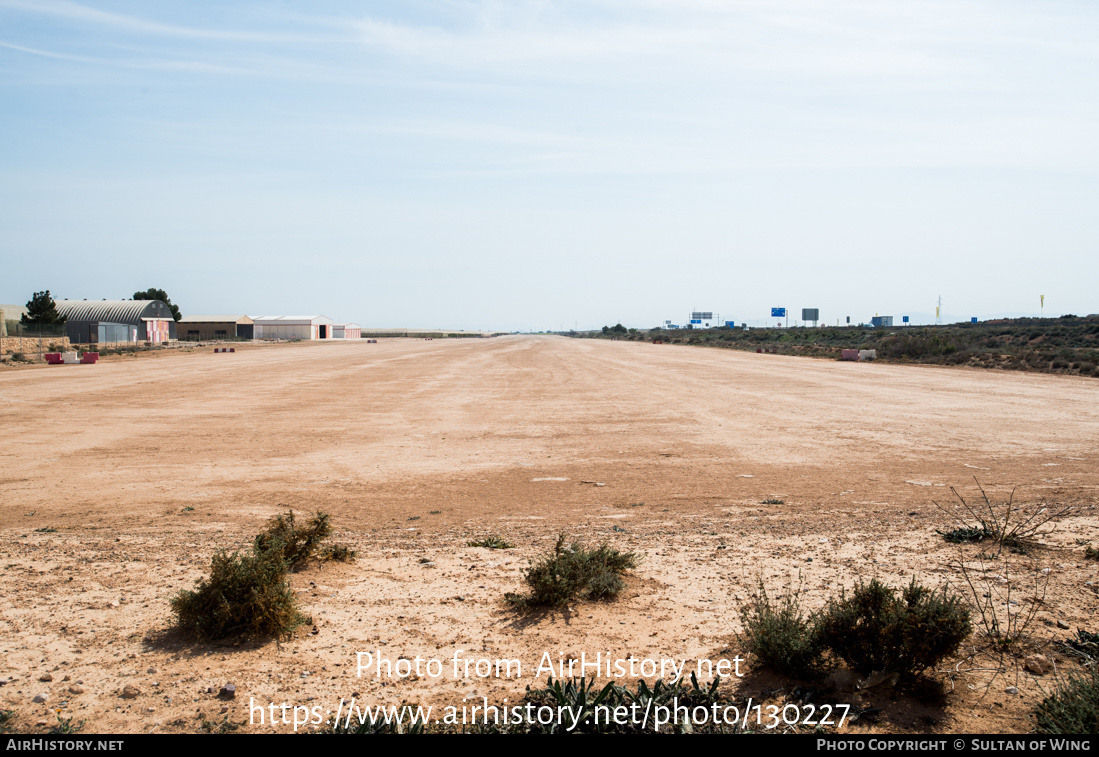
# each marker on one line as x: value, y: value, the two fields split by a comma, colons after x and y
x: 250, y: 593
x: 1020, y: 529
x: 295, y: 544
x: 874, y: 630
x: 1004, y: 611
x: 338, y: 553
x: 1074, y: 707
x: 245, y: 593
x: 780, y: 635
x: 573, y: 571
x: 493, y: 541
x: 871, y: 629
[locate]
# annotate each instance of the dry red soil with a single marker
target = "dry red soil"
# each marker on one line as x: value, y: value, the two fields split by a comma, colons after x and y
x: 147, y: 466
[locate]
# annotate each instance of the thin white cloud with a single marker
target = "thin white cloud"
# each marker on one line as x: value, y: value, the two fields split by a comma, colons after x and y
x: 48, y: 54
x: 77, y: 13
x: 139, y: 64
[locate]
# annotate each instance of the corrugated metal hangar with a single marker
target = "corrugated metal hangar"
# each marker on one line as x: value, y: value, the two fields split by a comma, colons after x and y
x: 100, y: 321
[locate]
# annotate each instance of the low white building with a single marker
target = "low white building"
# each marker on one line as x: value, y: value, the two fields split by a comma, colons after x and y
x: 289, y: 327
x: 347, y: 331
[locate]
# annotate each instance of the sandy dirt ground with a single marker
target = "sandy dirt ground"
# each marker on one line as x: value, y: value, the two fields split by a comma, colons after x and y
x: 147, y: 466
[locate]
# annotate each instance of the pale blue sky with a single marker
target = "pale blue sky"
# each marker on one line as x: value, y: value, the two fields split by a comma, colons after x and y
x: 519, y: 165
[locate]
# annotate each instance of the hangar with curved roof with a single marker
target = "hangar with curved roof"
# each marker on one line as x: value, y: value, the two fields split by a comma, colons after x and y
x: 102, y: 321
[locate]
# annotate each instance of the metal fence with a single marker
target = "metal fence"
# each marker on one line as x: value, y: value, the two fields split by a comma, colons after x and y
x: 17, y: 329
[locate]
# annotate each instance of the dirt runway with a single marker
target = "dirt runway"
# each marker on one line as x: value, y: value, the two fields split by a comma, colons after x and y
x: 146, y: 466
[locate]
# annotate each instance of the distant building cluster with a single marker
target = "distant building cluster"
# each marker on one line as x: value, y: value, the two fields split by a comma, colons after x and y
x: 114, y: 321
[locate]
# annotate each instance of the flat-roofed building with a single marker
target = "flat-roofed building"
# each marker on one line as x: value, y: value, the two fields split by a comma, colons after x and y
x: 200, y: 328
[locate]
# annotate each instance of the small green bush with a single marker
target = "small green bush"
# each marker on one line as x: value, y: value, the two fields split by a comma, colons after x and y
x: 965, y: 535
x: 573, y: 571
x: 338, y: 553
x: 1091, y: 553
x: 493, y: 541
x: 1074, y: 708
x: 295, y: 545
x: 65, y: 726
x: 245, y: 593
x: 874, y: 630
x: 781, y: 636
x: 250, y: 593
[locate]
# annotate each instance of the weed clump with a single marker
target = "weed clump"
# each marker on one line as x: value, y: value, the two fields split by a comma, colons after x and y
x: 494, y: 541
x: 573, y: 571
x: 872, y: 630
x: 338, y: 553
x: 1085, y: 645
x: 1016, y: 528
x: 245, y: 593
x: 875, y: 630
x: 1091, y: 553
x: 65, y: 726
x: 293, y: 543
x: 1074, y: 708
x: 781, y: 636
x: 249, y: 593
x: 967, y: 535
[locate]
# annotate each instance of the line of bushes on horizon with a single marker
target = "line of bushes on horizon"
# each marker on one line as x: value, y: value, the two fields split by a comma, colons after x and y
x: 1067, y: 345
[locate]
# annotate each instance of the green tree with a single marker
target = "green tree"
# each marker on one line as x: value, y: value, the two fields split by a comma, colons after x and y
x: 41, y: 311
x: 159, y: 294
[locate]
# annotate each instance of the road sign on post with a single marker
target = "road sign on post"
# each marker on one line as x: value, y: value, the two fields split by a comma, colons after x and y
x: 904, y: 319
x: 778, y: 312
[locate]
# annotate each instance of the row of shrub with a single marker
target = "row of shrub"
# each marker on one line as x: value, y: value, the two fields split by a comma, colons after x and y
x: 872, y: 629
x: 1064, y: 345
